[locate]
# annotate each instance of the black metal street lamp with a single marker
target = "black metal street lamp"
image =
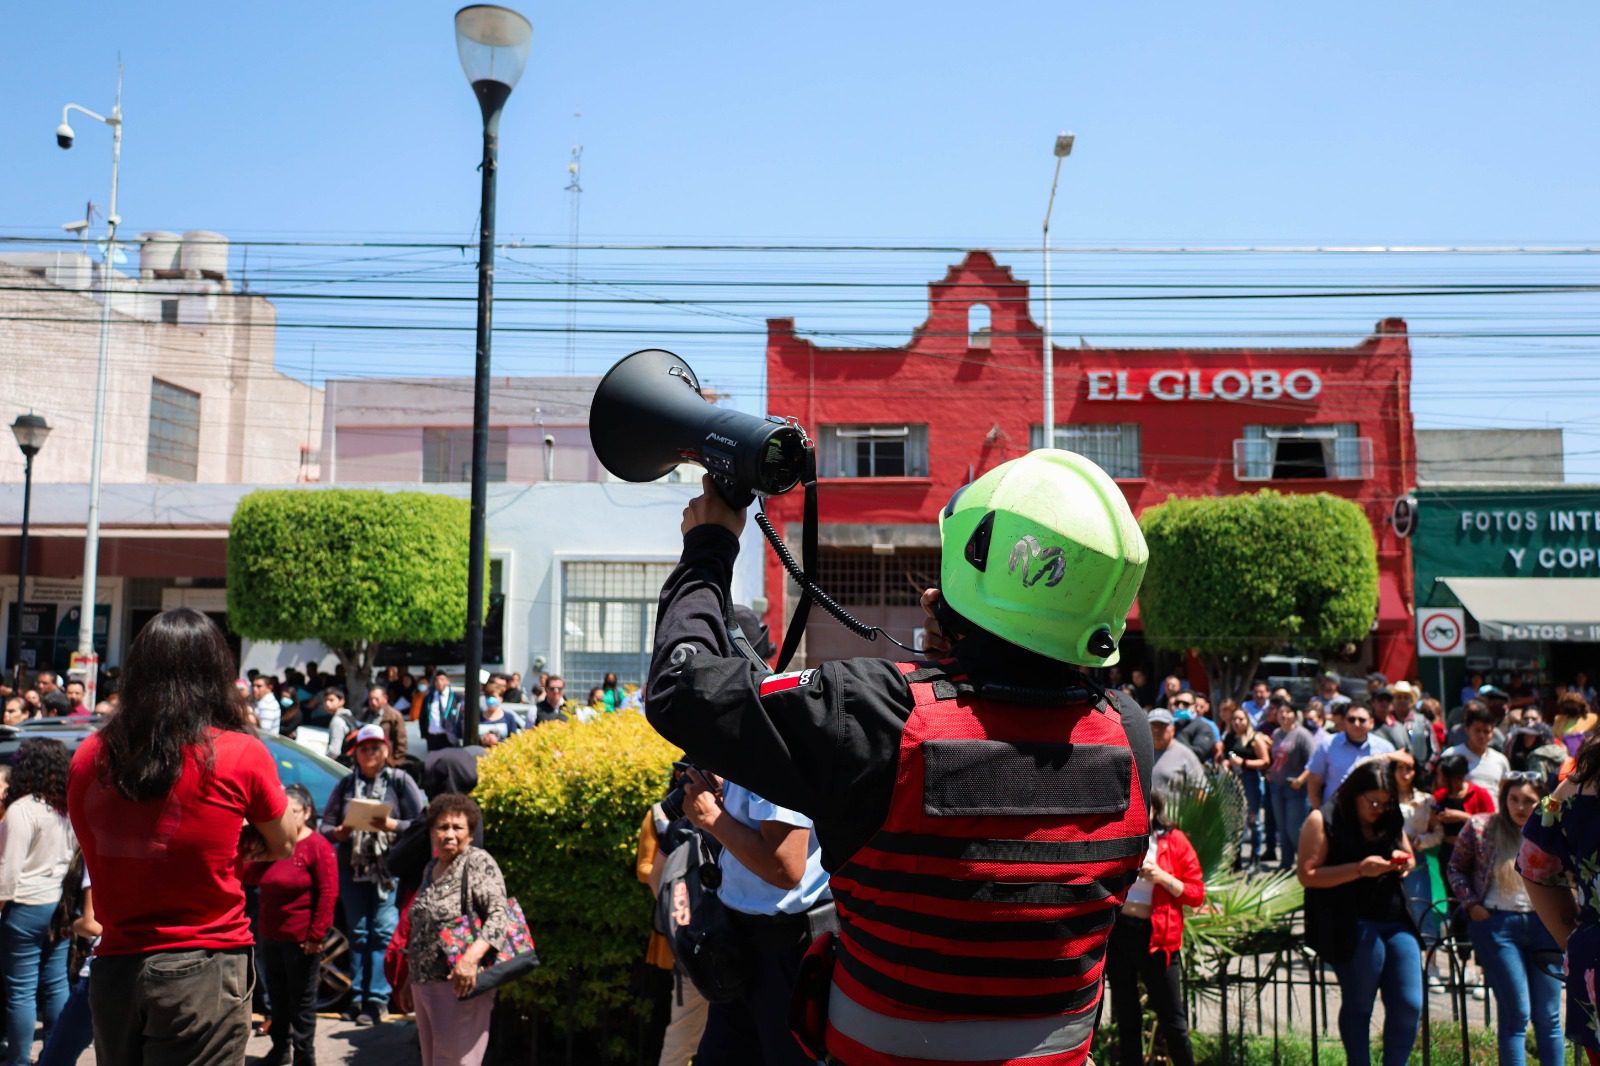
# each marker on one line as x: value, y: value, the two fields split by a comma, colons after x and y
x: 493, y: 43
x: 30, y: 430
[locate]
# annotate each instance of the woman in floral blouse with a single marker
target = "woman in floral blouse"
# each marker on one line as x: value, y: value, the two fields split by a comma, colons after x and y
x: 1561, y: 853
x: 454, y: 1029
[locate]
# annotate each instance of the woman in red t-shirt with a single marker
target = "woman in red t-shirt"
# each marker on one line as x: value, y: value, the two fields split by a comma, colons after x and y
x: 158, y: 799
x: 297, y: 898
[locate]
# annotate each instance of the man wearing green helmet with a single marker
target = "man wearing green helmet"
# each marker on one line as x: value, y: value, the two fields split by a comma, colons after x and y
x: 981, y: 816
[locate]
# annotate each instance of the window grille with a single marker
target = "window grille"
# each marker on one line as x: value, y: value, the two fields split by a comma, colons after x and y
x: 1113, y: 446
x: 174, y: 445
x: 608, y: 619
x: 447, y: 454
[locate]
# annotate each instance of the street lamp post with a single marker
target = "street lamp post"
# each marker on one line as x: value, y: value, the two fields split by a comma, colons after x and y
x: 91, y: 529
x: 30, y: 430
x: 493, y: 43
x: 1063, y: 149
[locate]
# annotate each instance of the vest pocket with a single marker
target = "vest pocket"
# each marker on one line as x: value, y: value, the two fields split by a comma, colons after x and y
x: 993, y: 777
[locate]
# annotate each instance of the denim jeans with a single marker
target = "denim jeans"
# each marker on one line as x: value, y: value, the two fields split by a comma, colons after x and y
x: 1289, y: 808
x: 32, y: 963
x: 73, y: 1032
x: 1387, y: 958
x: 371, y: 915
x: 1523, y: 966
x: 1251, y: 780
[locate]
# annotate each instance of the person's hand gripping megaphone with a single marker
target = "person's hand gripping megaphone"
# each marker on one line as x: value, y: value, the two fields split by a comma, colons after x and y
x: 709, y: 508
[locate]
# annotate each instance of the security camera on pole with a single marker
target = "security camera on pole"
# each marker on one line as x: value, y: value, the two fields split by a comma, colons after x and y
x: 87, y: 660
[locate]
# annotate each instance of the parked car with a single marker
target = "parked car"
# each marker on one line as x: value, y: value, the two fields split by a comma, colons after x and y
x: 296, y: 765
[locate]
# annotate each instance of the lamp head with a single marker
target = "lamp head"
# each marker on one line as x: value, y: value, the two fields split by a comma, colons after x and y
x: 1063, y: 145
x: 493, y: 43
x: 64, y: 135
x: 30, y: 430
x: 77, y: 227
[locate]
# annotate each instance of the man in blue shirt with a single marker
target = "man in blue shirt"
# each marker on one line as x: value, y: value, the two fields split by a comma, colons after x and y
x: 1256, y: 705
x: 1331, y: 762
x: 772, y: 876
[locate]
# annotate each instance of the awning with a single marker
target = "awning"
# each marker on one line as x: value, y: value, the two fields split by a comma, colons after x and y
x: 1392, y: 613
x: 1531, y: 608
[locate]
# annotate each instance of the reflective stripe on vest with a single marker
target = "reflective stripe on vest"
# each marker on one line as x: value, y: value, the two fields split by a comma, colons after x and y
x: 958, y: 1041
x: 973, y: 925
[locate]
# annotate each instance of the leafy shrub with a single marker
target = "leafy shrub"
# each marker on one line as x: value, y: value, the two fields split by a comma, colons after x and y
x: 562, y: 805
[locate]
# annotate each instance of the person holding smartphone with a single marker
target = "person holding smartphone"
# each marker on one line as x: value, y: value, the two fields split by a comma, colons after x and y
x: 1352, y: 858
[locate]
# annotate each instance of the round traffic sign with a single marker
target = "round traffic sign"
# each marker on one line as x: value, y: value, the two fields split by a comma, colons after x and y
x: 1441, y: 633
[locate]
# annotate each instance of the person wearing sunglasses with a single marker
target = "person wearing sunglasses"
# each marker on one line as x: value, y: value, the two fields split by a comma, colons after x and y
x: 1518, y: 955
x: 1331, y: 762
x: 1352, y: 858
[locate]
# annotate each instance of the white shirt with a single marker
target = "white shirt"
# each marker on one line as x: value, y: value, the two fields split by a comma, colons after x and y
x: 36, y: 844
x: 1144, y: 891
x: 1488, y: 769
x: 269, y: 713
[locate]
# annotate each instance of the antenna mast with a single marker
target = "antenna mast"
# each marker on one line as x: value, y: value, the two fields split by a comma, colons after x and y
x: 574, y: 207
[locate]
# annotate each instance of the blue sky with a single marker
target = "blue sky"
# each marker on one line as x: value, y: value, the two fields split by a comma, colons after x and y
x: 925, y: 124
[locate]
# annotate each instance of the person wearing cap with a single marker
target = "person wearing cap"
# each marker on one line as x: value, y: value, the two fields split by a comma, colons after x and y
x: 1176, y: 764
x: 366, y: 886
x: 1328, y: 692
x: 991, y: 801
x: 1387, y: 723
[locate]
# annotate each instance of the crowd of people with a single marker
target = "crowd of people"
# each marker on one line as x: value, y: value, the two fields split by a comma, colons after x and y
x: 217, y: 886
x: 1373, y: 798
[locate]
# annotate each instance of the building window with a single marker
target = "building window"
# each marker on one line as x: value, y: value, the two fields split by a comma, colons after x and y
x: 1114, y: 446
x: 608, y: 613
x: 174, y: 448
x: 447, y: 454
x: 874, y: 451
x: 169, y: 312
x: 1298, y: 453
x: 980, y: 328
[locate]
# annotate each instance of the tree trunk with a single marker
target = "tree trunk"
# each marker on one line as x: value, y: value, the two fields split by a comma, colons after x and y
x: 1230, y: 675
x: 358, y: 659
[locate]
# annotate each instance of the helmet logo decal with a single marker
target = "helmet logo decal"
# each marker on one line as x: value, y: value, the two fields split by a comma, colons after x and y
x: 1028, y: 549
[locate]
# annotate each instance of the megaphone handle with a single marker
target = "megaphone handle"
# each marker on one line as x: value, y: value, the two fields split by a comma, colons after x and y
x: 732, y: 495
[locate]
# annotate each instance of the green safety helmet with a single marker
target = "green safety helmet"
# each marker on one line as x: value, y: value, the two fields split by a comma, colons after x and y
x: 1044, y: 552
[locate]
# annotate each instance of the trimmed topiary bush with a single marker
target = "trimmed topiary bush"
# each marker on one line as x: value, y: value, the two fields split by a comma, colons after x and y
x: 562, y: 805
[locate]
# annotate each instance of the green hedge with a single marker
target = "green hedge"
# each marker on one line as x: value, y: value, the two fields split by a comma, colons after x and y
x: 562, y: 806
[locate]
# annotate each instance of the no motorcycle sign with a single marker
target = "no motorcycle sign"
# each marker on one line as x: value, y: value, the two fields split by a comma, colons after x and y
x: 1441, y: 631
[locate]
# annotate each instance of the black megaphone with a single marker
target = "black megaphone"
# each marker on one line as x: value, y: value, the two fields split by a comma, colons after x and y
x: 648, y: 415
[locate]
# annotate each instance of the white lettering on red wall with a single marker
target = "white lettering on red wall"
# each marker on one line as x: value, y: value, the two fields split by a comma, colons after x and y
x: 1231, y: 384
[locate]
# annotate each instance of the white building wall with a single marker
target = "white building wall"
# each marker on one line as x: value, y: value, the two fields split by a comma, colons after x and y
x: 254, y: 421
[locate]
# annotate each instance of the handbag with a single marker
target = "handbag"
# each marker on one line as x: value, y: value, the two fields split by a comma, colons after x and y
x: 518, y: 958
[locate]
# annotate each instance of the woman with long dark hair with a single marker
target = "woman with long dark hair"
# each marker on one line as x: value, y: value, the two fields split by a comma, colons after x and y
x: 1514, y: 948
x: 1560, y: 852
x: 36, y: 846
x: 158, y: 798
x: 1351, y: 861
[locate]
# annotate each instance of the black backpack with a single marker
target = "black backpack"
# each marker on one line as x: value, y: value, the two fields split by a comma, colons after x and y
x: 695, y: 922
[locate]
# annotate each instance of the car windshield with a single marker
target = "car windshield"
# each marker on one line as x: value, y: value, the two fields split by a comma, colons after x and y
x: 296, y: 765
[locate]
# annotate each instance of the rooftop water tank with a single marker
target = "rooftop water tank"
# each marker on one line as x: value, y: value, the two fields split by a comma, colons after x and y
x: 205, y: 255
x: 158, y: 254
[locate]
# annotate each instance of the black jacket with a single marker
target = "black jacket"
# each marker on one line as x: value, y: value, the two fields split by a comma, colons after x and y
x: 829, y: 745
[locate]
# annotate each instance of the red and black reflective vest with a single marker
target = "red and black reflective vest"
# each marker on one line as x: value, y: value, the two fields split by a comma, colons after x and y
x: 973, y: 925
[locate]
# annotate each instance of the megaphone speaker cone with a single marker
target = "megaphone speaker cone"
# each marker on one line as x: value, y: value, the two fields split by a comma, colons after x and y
x: 648, y: 415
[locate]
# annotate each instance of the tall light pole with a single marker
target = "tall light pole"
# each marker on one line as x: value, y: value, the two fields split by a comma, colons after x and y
x: 1063, y: 149
x: 30, y: 430
x: 493, y: 43
x: 91, y: 528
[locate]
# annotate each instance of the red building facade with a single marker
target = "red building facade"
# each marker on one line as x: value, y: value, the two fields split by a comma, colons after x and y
x: 900, y: 429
